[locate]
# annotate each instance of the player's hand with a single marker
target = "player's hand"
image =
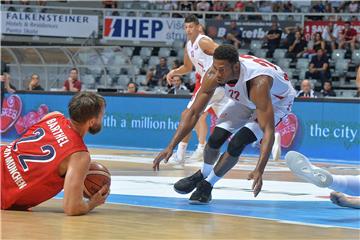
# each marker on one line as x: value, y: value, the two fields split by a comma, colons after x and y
x: 257, y: 184
x: 164, y: 155
x: 99, y: 198
x: 71, y: 81
x: 169, y: 77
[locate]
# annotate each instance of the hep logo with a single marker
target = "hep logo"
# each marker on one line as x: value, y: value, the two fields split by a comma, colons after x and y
x: 121, y: 27
x: 108, y: 26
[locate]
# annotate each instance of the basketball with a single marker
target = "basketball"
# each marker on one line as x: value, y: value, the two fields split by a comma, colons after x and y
x: 97, y: 177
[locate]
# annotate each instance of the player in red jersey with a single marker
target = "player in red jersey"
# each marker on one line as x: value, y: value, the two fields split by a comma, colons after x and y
x: 52, y: 156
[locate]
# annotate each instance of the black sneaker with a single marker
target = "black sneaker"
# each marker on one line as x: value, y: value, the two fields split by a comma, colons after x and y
x: 202, y: 195
x: 188, y: 184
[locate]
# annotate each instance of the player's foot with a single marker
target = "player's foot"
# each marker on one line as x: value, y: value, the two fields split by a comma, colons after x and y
x: 198, y: 154
x: 276, y: 149
x: 188, y: 184
x: 341, y: 200
x: 178, y: 163
x: 301, y: 167
x: 202, y: 194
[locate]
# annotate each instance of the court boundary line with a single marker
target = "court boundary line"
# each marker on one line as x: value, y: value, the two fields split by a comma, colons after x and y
x: 241, y: 216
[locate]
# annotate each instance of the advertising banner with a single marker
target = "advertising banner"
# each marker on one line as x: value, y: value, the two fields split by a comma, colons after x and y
x: 327, y: 131
x: 143, y: 29
x: 48, y: 24
x: 252, y: 29
x: 321, y: 130
x: 311, y: 27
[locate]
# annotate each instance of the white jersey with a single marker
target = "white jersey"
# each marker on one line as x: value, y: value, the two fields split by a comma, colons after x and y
x: 201, y: 61
x: 251, y: 67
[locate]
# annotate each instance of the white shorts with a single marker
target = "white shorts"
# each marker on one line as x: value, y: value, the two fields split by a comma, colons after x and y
x: 217, y: 102
x: 236, y: 115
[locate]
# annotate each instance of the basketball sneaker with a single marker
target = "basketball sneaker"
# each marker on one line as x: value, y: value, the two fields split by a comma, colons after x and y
x: 198, y: 154
x: 178, y: 163
x: 188, y: 184
x: 301, y: 167
x: 276, y: 149
x: 202, y: 194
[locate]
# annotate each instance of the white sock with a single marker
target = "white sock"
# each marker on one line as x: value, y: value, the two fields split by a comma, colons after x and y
x: 201, y: 146
x: 346, y: 184
x: 181, y: 150
x: 206, y: 169
x: 212, y: 178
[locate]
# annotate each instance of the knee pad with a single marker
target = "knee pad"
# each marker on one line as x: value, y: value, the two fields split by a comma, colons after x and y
x: 242, y: 138
x: 218, y: 137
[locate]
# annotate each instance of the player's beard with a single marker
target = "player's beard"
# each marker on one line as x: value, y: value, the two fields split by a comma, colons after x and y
x: 95, y: 129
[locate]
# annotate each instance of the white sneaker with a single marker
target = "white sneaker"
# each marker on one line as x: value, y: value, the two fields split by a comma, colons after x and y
x: 178, y: 163
x: 198, y: 155
x: 276, y: 149
x: 301, y: 167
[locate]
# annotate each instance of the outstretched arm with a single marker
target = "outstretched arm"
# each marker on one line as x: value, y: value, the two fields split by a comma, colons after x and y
x: 260, y: 95
x: 76, y: 170
x: 190, y: 117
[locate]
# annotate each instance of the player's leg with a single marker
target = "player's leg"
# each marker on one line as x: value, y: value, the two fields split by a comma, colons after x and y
x: 216, y: 104
x: 341, y: 200
x: 301, y: 166
x: 221, y: 133
x: 234, y: 117
x: 276, y: 149
x: 348, y: 184
x: 281, y: 112
x: 201, y: 129
x: 211, y: 155
x: 178, y: 157
x: 227, y: 161
x: 249, y: 132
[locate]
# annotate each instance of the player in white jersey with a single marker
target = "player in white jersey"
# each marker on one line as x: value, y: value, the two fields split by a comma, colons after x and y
x: 198, y: 53
x: 348, y: 184
x: 261, y: 94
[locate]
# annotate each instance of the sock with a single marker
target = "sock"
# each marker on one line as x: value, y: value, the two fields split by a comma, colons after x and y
x: 212, y: 178
x: 181, y: 150
x: 206, y: 169
x: 346, y: 184
x: 201, y: 146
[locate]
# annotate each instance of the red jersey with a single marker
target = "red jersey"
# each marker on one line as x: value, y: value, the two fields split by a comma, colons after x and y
x: 349, y: 34
x: 77, y: 85
x: 30, y: 164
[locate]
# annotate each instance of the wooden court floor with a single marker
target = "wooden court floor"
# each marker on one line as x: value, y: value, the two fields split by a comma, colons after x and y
x: 120, y: 221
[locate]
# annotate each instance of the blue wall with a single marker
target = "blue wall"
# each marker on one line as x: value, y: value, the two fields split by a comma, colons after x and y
x: 326, y: 131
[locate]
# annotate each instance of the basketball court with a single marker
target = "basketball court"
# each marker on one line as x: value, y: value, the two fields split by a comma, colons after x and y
x: 143, y: 205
